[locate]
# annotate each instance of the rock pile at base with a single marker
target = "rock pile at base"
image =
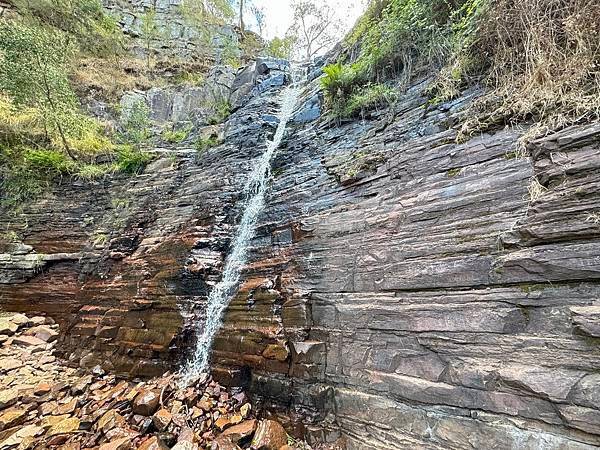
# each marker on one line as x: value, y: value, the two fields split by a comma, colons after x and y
x: 46, y: 405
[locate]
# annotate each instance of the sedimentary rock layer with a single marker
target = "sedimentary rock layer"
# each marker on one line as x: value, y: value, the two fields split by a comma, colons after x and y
x: 404, y: 290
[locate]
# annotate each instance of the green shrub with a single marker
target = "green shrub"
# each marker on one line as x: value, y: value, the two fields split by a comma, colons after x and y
x: 368, y: 98
x: 131, y: 160
x: 394, y: 40
x: 205, y: 143
x: 176, y: 136
x: 221, y: 111
x: 51, y: 162
x: 136, y: 124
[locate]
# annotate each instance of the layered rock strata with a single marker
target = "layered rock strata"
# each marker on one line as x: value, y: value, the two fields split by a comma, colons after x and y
x: 404, y: 290
x: 45, y: 405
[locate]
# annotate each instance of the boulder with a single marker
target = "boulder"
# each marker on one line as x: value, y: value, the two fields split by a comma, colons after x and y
x: 8, y: 397
x: 266, y: 65
x: 270, y: 435
x: 9, y: 364
x: 20, y: 436
x: 146, y: 402
x: 110, y: 420
x: 42, y: 332
x: 42, y: 389
x: 66, y: 408
x: 161, y: 419
x: 20, y: 320
x: 40, y: 320
x: 65, y: 426
x: 7, y: 328
x: 222, y: 422
x: 243, y: 430
x: 12, y: 417
x: 29, y: 341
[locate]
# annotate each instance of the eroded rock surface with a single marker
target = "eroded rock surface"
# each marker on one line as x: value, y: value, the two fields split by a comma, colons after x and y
x: 404, y: 290
x: 46, y: 405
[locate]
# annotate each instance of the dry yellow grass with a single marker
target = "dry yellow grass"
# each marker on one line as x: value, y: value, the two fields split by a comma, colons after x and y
x: 544, y: 65
x: 108, y: 79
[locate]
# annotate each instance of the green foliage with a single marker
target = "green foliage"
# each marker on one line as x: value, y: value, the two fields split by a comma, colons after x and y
x: 94, y: 171
x: 26, y: 173
x: 131, y: 160
x: 34, y: 75
x: 84, y: 20
x: 367, y: 98
x: 44, y: 134
x: 394, y: 40
x: 280, y: 47
x: 176, y: 136
x: 150, y: 33
x: 205, y: 143
x: 221, y: 111
x: 136, y: 124
x: 51, y: 162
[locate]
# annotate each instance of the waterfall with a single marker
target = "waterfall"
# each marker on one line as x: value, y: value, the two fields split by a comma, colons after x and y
x: 254, y: 201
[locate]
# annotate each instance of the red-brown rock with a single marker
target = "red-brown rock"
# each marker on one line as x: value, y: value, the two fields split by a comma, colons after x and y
x: 241, y: 431
x: 146, y: 402
x: 161, y: 419
x: 270, y: 435
x: 119, y: 444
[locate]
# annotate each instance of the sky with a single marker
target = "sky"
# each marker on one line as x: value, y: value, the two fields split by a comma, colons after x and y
x: 279, y: 15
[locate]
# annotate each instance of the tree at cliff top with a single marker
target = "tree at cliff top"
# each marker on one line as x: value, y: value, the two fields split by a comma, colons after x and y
x: 316, y: 27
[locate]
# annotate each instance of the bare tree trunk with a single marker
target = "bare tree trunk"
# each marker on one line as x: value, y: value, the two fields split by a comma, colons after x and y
x: 48, y: 93
x: 242, y: 16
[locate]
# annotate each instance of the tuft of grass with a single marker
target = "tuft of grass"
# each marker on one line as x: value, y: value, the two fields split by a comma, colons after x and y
x: 205, y: 143
x: 368, y: 98
x: 131, y: 160
x: 536, y: 190
x: 593, y: 217
x: 221, y: 111
x: 176, y: 136
x: 189, y: 78
x: 91, y: 172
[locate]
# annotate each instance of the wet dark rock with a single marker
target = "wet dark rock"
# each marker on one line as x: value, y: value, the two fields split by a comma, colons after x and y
x: 424, y: 298
x: 268, y: 65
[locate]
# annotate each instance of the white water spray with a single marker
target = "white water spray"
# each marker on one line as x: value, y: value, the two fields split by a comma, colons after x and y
x: 254, y: 194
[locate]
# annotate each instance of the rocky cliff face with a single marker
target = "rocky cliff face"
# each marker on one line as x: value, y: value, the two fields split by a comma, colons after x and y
x: 404, y: 291
x: 173, y: 36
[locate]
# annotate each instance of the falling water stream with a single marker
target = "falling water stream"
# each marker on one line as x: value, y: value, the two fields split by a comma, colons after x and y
x: 254, y: 201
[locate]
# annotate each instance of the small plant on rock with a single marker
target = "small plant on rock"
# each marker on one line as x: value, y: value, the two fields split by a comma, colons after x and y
x: 205, y: 143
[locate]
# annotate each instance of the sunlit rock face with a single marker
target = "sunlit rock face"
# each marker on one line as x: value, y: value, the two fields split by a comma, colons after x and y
x: 403, y: 290
x: 175, y: 35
